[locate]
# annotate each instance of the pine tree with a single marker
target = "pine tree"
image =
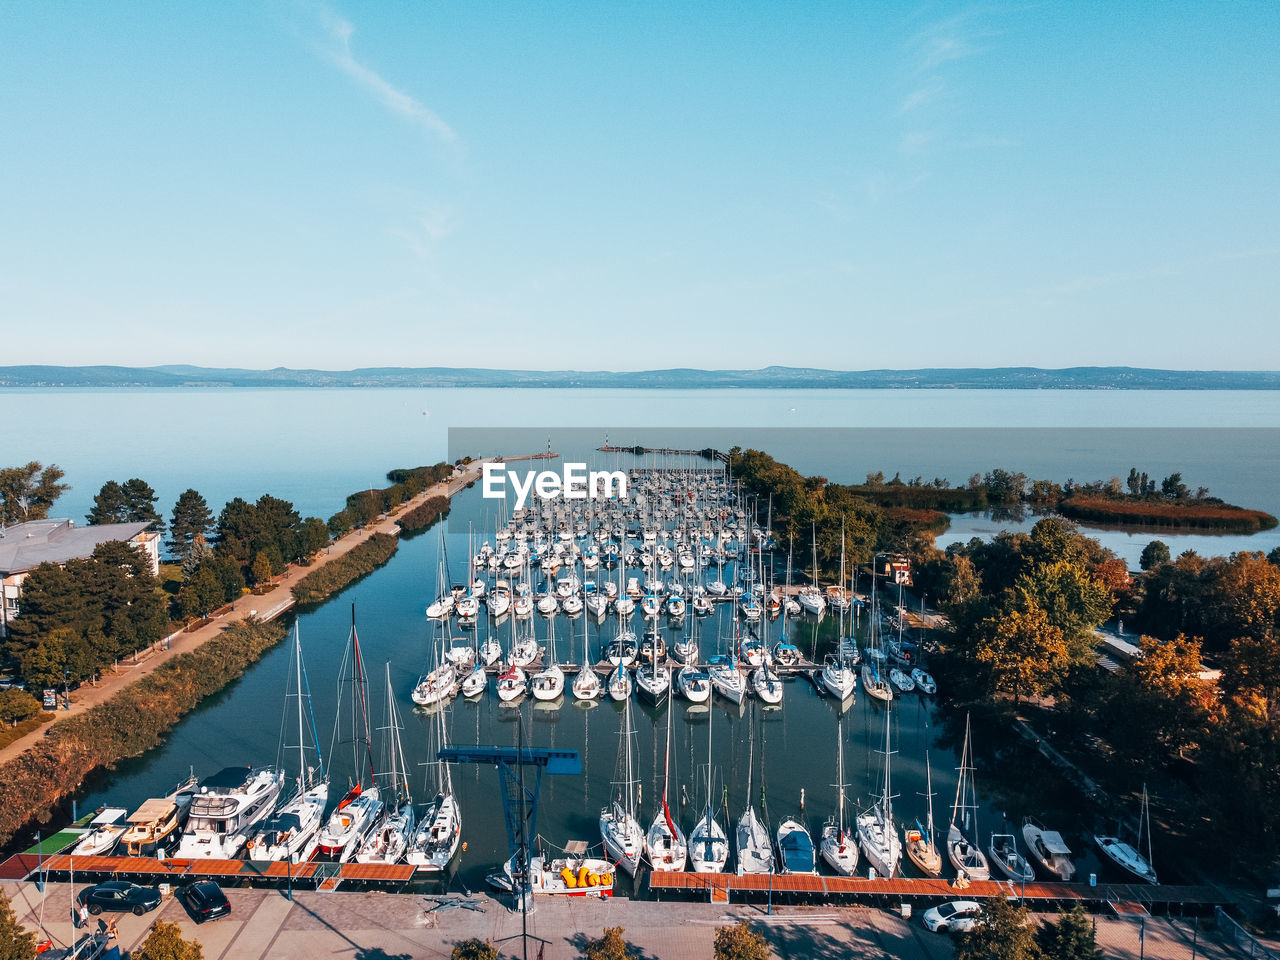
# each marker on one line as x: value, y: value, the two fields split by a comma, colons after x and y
x: 1071, y: 938
x: 191, y: 519
x: 108, y: 505
x: 16, y: 942
x: 140, y: 504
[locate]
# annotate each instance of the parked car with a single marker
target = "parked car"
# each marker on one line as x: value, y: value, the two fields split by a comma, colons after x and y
x: 955, y: 916
x: 120, y: 895
x: 205, y: 900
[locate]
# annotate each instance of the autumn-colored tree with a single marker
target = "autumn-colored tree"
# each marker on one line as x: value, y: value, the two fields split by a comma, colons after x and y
x: 1158, y: 705
x: 740, y: 942
x: 1002, y: 932
x: 165, y: 942
x: 261, y: 571
x: 611, y: 946
x: 474, y: 949
x: 1021, y: 650
x: 1251, y: 677
x: 1243, y: 598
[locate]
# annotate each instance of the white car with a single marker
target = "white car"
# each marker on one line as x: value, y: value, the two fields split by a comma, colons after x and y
x: 956, y: 916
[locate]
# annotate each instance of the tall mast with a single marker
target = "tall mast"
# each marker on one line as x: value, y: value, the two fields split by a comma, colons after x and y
x: 302, y: 755
x: 358, y: 685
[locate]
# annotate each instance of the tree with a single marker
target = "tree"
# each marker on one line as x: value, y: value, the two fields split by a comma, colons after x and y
x: 611, y: 946
x: 1172, y: 487
x: 1073, y: 600
x: 1002, y: 932
x: 1071, y: 937
x: 261, y: 571
x: 1023, y: 651
x: 140, y: 504
x: 130, y: 502
x: 108, y: 505
x: 740, y: 942
x: 28, y: 492
x: 191, y: 519
x: 16, y: 706
x: 1160, y: 704
x: 313, y: 537
x: 474, y: 950
x: 165, y: 942
x: 1154, y: 554
x: 196, y: 552
x: 16, y: 942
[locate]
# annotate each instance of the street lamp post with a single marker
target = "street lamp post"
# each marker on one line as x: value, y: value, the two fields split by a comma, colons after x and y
x: 66, y: 687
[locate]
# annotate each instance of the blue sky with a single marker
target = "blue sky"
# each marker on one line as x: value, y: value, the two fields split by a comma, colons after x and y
x: 627, y: 186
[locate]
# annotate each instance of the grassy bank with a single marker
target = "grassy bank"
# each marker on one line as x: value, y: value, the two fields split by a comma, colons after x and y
x: 336, y: 574
x: 133, y: 721
x: 424, y: 515
x: 1173, y: 514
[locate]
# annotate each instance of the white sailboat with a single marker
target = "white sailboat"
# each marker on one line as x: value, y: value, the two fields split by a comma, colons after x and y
x: 665, y: 842
x: 877, y: 833
x: 293, y: 832
x: 623, y: 838
x: 435, y: 842
x: 586, y: 685
x: 708, y: 845
x: 755, y: 852
x: 874, y: 670
x: 362, y: 806
x: 389, y: 839
x: 837, y: 847
x: 1129, y: 856
x: 548, y: 683
x: 968, y: 859
x: 810, y: 598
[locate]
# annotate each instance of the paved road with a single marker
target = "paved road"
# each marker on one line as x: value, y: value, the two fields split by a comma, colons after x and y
x: 380, y: 926
x: 266, y: 607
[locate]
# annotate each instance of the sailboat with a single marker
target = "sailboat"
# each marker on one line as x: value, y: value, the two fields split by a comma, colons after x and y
x: 293, y: 833
x: 586, y: 685
x: 874, y: 678
x: 810, y: 598
x: 965, y: 856
x: 548, y: 683
x: 623, y: 838
x: 1130, y: 856
x: 708, y: 845
x: 755, y: 852
x: 357, y: 811
x: 388, y: 840
x: 665, y: 843
x: 877, y: 834
x: 435, y: 842
x: 836, y: 846
x: 921, y: 847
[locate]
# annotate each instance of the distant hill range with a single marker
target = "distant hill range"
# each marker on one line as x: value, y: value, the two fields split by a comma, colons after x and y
x: 975, y: 378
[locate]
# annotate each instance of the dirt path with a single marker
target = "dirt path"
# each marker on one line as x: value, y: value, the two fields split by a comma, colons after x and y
x: 266, y: 607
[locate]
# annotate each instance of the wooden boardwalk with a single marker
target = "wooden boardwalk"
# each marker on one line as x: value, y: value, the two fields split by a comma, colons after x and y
x: 324, y: 875
x: 1120, y: 898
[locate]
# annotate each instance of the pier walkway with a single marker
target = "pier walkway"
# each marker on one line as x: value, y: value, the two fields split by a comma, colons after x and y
x: 1118, y: 898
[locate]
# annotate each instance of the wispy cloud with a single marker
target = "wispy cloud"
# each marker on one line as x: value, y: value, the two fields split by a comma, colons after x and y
x: 337, y: 50
x: 926, y: 93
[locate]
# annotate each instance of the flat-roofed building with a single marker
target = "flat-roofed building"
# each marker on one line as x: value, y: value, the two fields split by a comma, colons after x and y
x: 25, y: 546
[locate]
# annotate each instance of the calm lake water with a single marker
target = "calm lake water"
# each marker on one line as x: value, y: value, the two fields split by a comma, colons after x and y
x: 314, y: 447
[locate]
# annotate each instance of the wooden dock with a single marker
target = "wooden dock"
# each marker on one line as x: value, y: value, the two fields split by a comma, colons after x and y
x: 1119, y: 898
x: 318, y: 874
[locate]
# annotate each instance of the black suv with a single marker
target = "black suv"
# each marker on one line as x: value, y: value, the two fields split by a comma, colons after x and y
x: 119, y: 895
x: 205, y: 900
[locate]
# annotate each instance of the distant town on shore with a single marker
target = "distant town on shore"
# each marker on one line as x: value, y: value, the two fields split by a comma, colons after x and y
x: 974, y: 378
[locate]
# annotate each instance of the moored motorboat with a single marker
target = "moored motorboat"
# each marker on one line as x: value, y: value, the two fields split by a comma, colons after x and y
x: 1048, y: 849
